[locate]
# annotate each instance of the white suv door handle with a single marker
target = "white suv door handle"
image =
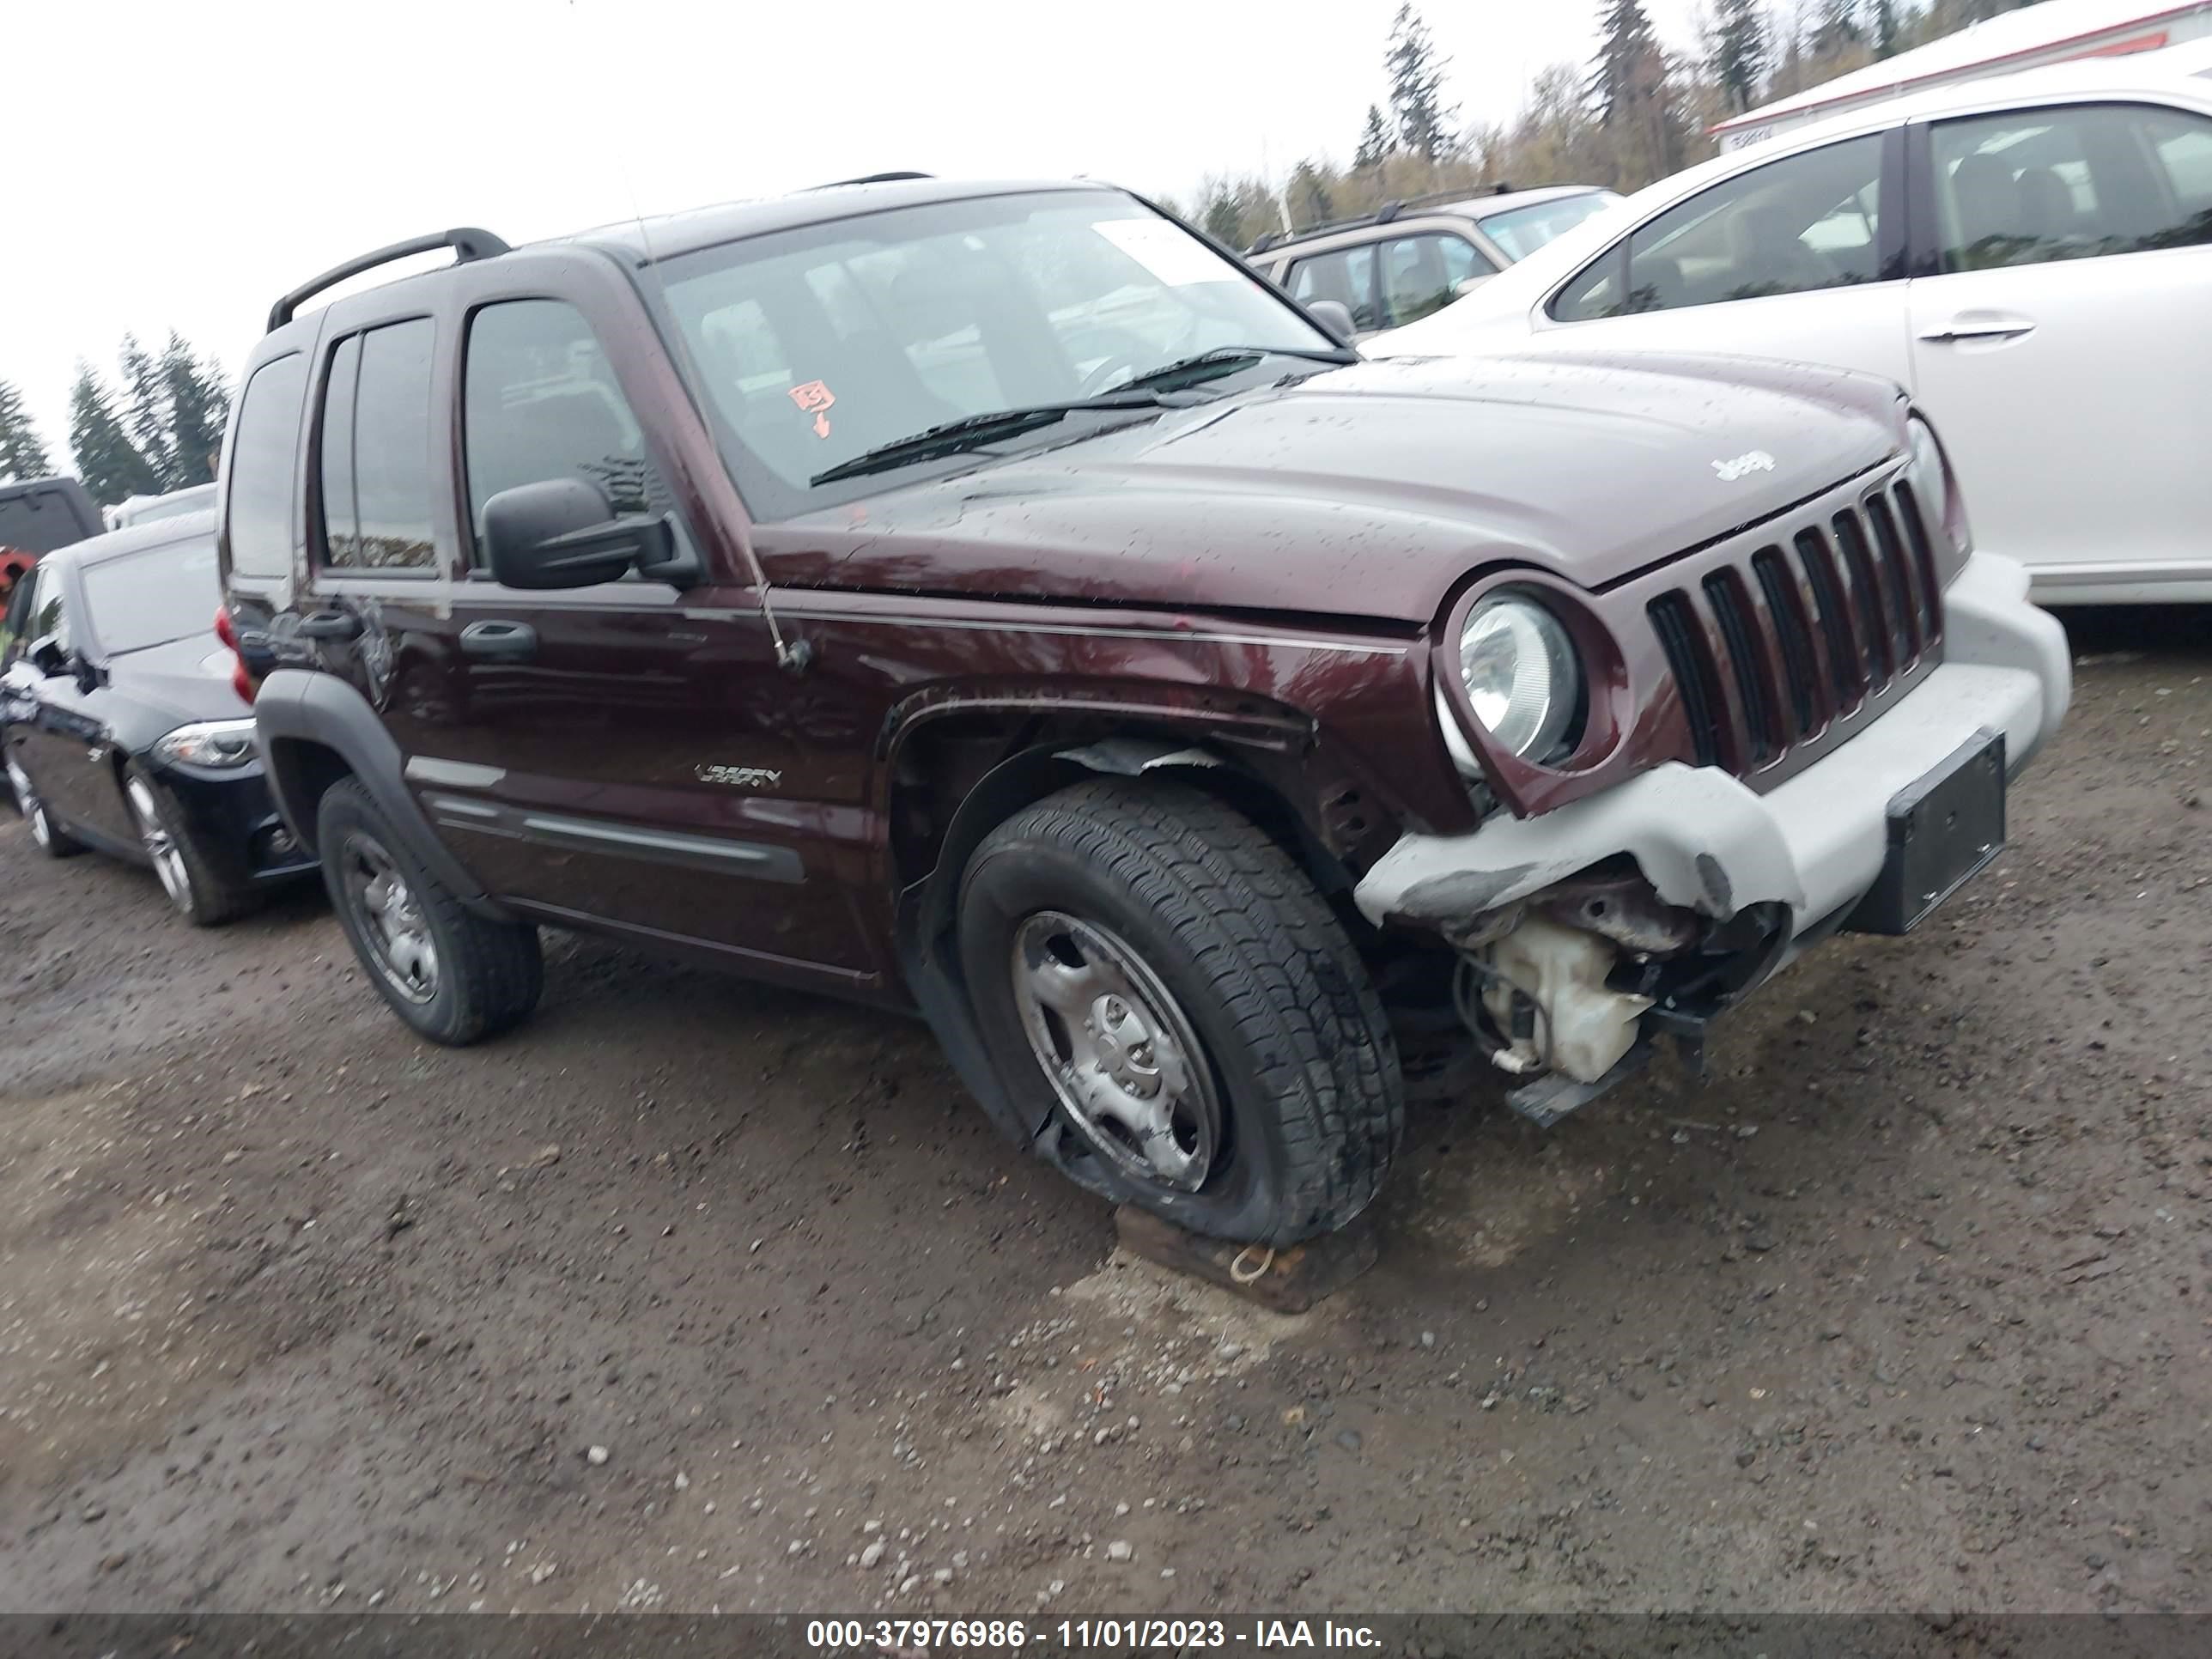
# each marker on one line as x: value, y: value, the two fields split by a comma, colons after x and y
x: 1980, y: 328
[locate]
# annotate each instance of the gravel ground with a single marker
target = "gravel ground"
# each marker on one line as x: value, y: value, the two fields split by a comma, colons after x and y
x: 693, y: 1294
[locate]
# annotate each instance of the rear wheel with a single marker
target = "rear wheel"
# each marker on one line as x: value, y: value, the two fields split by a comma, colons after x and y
x: 456, y: 977
x: 53, y: 840
x: 193, y: 876
x: 1164, y: 992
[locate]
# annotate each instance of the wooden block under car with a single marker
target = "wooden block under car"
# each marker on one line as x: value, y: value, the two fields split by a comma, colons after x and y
x: 1288, y: 1280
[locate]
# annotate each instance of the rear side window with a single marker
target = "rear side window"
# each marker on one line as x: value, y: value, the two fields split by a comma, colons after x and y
x: 2073, y: 182
x: 376, y: 451
x: 539, y: 401
x: 261, y: 467
x: 1347, y: 276
x: 1421, y: 273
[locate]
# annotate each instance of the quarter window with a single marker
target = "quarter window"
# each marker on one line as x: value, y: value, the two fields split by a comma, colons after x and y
x: 2075, y: 182
x: 540, y: 402
x: 1347, y: 276
x: 1421, y: 274
x: 376, y: 451
x: 261, y: 455
x: 1795, y: 226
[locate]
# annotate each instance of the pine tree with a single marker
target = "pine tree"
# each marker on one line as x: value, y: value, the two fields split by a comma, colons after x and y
x: 21, y: 455
x: 1626, y: 44
x: 1417, y: 87
x: 1309, y: 200
x: 1838, y: 28
x: 110, y: 464
x: 1738, y: 59
x: 1888, y: 36
x: 1631, y: 93
x: 145, y: 413
x: 1374, y: 141
x: 196, y: 406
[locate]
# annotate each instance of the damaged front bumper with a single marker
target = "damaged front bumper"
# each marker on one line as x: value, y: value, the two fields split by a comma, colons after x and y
x: 1795, y: 861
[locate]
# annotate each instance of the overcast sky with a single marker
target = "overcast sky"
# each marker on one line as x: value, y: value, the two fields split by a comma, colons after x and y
x: 180, y: 165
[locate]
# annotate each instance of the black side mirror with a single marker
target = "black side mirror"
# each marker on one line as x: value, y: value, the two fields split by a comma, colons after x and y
x: 47, y: 656
x: 1334, y: 316
x: 562, y: 533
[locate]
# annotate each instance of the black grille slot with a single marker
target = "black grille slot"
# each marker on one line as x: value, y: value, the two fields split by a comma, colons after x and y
x: 1798, y: 661
x: 1879, y: 662
x: 1729, y: 606
x: 1845, y: 666
x: 1930, y: 586
x: 1901, y: 607
x: 1676, y: 624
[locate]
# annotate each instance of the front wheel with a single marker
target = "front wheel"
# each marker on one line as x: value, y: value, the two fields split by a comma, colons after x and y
x: 454, y: 976
x: 1162, y: 991
x: 203, y: 892
x: 49, y: 837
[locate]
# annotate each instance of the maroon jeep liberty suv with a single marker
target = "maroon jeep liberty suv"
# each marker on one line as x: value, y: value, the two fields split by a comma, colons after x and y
x: 995, y: 601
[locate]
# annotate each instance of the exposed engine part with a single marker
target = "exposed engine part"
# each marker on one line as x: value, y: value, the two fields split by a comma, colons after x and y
x: 1622, y: 909
x: 1541, y: 1002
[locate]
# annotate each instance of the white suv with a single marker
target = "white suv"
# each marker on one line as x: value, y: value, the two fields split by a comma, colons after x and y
x: 2032, y: 256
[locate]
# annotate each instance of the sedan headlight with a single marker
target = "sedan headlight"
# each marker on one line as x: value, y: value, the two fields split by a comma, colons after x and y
x: 1938, y: 490
x: 208, y: 743
x: 1522, y: 679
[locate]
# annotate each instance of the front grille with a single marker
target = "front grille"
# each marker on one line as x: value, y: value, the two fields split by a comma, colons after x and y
x: 1806, y: 623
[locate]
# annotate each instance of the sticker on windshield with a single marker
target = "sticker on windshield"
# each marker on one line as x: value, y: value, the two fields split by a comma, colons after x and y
x: 814, y: 398
x: 1175, y: 259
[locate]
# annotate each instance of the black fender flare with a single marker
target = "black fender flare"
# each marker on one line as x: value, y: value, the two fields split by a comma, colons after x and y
x: 295, y: 706
x: 927, y: 951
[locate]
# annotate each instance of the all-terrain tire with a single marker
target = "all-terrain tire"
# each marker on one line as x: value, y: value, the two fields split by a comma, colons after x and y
x: 489, y: 973
x: 1304, y: 1068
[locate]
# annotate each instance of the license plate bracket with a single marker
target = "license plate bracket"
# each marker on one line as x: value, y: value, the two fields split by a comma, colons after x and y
x: 1943, y: 828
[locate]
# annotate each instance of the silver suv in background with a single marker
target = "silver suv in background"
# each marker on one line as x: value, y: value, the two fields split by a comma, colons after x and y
x: 1410, y: 259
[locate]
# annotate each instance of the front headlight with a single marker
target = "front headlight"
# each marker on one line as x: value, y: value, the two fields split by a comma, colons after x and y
x: 1932, y: 482
x: 1521, y: 676
x: 208, y: 743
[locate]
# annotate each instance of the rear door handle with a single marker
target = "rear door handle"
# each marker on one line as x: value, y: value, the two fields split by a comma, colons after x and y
x: 1980, y: 328
x: 330, y: 625
x: 499, y: 641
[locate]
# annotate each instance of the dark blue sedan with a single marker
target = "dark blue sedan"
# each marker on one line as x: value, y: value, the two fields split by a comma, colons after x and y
x: 122, y: 727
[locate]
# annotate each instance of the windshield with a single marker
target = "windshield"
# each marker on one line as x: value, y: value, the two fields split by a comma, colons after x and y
x: 150, y: 599
x: 1522, y: 231
x: 817, y: 345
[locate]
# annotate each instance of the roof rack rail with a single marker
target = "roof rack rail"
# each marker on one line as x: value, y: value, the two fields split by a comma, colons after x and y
x: 1381, y: 215
x: 467, y: 242
x: 871, y: 178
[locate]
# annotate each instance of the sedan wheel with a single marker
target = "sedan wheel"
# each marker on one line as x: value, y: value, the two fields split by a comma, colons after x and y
x: 393, y: 923
x: 160, y: 846
x: 50, y: 841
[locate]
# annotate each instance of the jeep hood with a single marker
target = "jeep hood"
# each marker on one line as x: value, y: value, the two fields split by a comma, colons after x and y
x: 1367, y: 491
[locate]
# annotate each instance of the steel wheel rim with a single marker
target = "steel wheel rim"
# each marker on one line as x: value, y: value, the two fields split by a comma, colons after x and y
x: 388, y: 916
x: 161, y: 845
x: 27, y: 798
x: 1118, y: 1050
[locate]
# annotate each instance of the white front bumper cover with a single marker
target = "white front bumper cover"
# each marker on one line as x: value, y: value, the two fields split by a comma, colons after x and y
x: 1814, y: 843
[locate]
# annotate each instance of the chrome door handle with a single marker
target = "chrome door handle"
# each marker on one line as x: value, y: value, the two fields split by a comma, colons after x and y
x: 2007, y: 329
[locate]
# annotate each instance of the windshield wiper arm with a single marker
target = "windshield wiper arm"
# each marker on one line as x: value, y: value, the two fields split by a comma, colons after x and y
x: 971, y: 431
x: 1227, y: 360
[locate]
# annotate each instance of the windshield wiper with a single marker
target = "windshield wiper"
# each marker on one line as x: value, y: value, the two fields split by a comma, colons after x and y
x: 1211, y: 365
x: 972, y: 431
